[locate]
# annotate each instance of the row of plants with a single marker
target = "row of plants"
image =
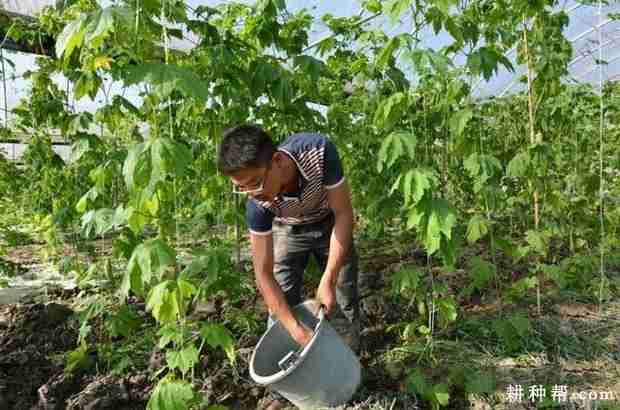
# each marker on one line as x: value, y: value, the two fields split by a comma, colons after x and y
x: 520, y: 174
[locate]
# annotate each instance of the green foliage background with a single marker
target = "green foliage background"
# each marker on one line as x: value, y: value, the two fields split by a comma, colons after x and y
x: 424, y: 158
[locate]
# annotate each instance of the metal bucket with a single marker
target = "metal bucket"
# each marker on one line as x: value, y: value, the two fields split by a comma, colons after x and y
x: 324, y: 374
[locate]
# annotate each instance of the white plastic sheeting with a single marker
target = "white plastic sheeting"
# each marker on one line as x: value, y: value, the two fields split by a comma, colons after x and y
x: 25, y: 7
x: 583, y: 31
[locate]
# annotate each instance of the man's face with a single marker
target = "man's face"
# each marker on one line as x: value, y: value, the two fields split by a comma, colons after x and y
x: 263, y: 183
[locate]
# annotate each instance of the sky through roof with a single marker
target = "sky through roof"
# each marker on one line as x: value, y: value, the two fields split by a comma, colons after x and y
x: 583, y: 32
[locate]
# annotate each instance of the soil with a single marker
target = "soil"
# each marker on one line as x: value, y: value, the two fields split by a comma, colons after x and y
x: 35, y: 338
x: 33, y: 341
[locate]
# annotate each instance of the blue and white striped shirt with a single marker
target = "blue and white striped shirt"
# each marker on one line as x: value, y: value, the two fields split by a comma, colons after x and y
x: 320, y: 169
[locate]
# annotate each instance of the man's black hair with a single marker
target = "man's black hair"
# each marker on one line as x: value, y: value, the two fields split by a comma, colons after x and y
x: 244, y: 146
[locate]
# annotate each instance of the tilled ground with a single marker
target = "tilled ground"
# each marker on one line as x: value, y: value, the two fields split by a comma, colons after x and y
x: 36, y: 337
x: 33, y: 341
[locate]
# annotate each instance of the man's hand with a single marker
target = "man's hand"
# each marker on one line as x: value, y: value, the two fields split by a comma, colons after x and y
x: 326, y: 294
x: 301, y: 334
x: 262, y: 256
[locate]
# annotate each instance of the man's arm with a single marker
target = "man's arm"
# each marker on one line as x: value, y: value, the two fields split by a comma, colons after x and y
x: 339, y: 199
x: 262, y: 257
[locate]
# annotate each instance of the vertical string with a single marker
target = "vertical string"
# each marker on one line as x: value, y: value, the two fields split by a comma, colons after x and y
x: 237, y: 231
x: 6, y: 108
x: 601, y: 148
x: 6, y: 104
x: 170, y: 125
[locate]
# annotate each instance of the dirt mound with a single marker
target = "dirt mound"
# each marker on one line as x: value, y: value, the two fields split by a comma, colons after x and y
x: 105, y: 393
x: 30, y: 335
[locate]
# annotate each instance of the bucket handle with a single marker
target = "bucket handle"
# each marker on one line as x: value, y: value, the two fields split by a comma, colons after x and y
x: 293, y: 356
x: 321, y: 314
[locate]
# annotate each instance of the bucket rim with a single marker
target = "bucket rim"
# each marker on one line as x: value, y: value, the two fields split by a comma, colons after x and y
x: 276, y: 377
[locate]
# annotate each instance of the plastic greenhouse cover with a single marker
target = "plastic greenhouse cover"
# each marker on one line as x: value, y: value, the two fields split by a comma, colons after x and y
x: 25, y: 7
x: 582, y: 31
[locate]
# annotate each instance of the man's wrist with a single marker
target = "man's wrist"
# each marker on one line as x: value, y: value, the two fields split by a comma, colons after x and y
x: 330, y: 276
x: 291, y: 323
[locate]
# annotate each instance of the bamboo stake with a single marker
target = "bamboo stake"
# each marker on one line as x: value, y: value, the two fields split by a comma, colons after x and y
x: 530, y: 104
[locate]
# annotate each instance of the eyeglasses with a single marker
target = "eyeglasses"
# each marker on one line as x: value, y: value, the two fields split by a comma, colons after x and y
x: 251, y: 190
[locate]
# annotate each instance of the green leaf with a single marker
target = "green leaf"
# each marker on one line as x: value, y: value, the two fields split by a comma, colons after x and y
x: 270, y: 6
x: 373, y: 6
x: 98, y: 176
x: 485, y: 61
x: 424, y: 330
x: 218, y: 336
x: 414, y: 219
x: 476, y: 228
x: 282, y: 90
x: 390, y: 111
x: 167, y: 78
x: 519, y: 165
x: 123, y: 323
x: 79, y: 148
x: 133, y: 170
x: 171, y: 395
x: 71, y: 37
x: 521, y: 324
x: 405, y: 280
x: 521, y: 287
x: 149, y: 259
x: 99, y: 27
x: 444, y: 5
x: 120, y: 217
x: 458, y: 121
x: 396, y: 145
x: 186, y: 288
x: 90, y: 196
x: 168, y: 157
x: 265, y: 73
x: 436, y: 217
x: 98, y: 221
x: 395, y: 8
x: 170, y: 333
x: 78, y: 359
x: 421, y: 181
x: 537, y: 241
x: 310, y: 65
x: 407, y: 182
x: 447, y: 310
x: 440, y: 392
x: 207, y: 262
x: 480, y: 272
x: 417, y: 383
x: 162, y: 302
x: 558, y: 274
x: 386, y: 54
x: 136, y: 219
x: 184, y: 360
x: 101, y: 24
x: 482, y: 168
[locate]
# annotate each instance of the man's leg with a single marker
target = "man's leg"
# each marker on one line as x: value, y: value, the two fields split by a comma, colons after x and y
x: 346, y: 319
x: 290, y: 258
